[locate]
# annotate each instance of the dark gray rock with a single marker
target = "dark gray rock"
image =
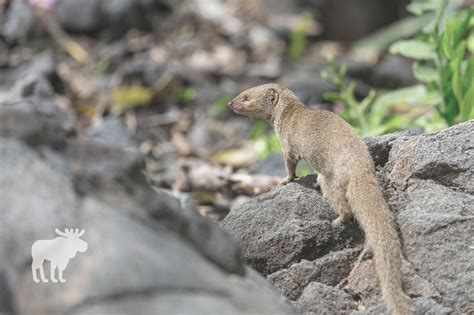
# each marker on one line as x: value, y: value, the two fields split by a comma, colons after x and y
x: 36, y: 197
x: 142, y: 69
x: 42, y: 66
x: 330, y: 270
x: 379, y: 147
x: 29, y: 113
x: 6, y: 302
x: 421, y: 306
x: 392, y: 72
x: 19, y: 21
x: 112, y: 131
x: 111, y: 18
x: 318, y: 299
x: 82, y: 16
x: 337, y: 14
x: 150, y: 270
x: 432, y: 178
x: 430, y: 184
x: 286, y: 225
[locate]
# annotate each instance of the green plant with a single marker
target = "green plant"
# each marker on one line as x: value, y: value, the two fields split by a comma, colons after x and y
x: 297, y: 45
x: 186, y: 94
x: 265, y: 142
x: 354, y: 111
x: 444, y: 57
x: 370, y: 116
x: 218, y: 106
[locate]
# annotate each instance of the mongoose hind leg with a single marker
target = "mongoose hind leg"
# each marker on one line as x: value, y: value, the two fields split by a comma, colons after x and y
x: 335, y: 192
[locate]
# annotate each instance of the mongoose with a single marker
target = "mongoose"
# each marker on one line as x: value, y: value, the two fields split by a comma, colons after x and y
x: 346, y: 174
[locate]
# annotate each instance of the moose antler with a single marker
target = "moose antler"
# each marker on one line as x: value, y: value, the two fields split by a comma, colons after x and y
x: 70, y: 232
x: 61, y: 233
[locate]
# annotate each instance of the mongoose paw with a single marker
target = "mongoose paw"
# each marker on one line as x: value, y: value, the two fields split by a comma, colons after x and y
x: 287, y: 180
x: 54, y: 280
x: 36, y: 280
x: 62, y: 280
x: 337, y: 222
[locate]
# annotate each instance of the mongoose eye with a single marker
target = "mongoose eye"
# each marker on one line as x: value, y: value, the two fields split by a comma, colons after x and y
x: 246, y: 98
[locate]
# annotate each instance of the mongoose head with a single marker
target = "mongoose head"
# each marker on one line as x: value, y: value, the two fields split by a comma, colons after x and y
x: 259, y: 101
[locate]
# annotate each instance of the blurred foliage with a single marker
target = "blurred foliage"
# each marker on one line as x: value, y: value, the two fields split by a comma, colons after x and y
x: 444, y: 65
x: 444, y: 58
x: 102, y: 66
x: 126, y: 97
x: 303, y: 170
x: 298, y: 39
x: 373, y: 45
x: 219, y: 106
x: 370, y: 116
x: 186, y: 94
x: 265, y: 141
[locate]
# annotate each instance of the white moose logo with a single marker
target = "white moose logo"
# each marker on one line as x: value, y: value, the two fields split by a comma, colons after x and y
x: 58, y: 251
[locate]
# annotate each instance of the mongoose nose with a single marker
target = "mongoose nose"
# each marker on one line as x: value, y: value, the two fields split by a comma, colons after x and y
x: 231, y: 103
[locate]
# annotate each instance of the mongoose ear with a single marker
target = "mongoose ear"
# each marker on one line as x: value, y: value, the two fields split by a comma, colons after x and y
x: 273, y: 96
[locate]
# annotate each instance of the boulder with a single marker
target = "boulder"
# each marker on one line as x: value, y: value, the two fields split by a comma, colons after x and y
x: 145, y: 254
x: 428, y: 182
x: 286, y: 225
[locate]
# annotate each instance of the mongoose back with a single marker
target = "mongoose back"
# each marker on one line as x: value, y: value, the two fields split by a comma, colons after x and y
x: 345, y: 170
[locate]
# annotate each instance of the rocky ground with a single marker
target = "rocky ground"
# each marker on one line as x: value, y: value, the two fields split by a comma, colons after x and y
x: 182, y: 214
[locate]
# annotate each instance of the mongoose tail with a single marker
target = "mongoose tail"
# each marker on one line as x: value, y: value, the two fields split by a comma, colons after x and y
x: 364, y: 196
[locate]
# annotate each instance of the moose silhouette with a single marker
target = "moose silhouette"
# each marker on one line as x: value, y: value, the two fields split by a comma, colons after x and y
x: 58, y: 251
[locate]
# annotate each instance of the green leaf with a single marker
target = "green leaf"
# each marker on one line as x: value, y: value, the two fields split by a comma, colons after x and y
x: 413, y: 49
x: 457, y: 88
x: 467, y: 106
x: 454, y: 27
x: 298, y: 37
x: 418, y: 7
x: 186, y: 94
x: 330, y: 96
x: 446, y: 42
x: 259, y: 128
x: 469, y: 73
x: 409, y: 94
x: 218, y: 106
x: 425, y: 73
x: 470, y: 42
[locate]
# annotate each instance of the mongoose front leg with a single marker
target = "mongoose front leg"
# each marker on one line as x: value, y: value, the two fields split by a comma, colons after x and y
x: 290, y: 164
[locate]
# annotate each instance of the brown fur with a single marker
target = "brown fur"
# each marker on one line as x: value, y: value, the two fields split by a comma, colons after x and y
x: 345, y: 170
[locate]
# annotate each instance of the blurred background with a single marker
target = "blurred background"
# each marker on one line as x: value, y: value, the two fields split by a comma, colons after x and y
x: 157, y: 74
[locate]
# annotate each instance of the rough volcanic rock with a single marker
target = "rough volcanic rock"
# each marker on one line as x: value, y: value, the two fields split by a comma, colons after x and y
x: 318, y: 299
x: 428, y: 182
x: 330, y: 270
x: 286, y: 225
